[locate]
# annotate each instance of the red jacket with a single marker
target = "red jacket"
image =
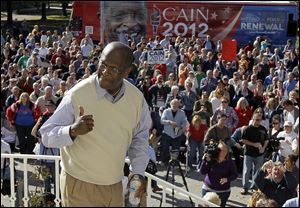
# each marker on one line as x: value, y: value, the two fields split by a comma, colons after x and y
x: 244, y: 116
x: 198, y: 135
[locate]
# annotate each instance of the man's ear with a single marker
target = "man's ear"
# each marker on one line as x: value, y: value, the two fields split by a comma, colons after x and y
x: 127, y: 71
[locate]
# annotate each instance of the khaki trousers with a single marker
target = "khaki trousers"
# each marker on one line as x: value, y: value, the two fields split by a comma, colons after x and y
x: 77, y: 193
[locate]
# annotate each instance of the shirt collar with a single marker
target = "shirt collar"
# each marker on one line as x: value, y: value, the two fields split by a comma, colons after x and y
x: 103, y: 93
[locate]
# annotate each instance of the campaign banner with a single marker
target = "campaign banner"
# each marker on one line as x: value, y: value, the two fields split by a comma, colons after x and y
x: 220, y: 21
x: 262, y: 22
x: 156, y: 56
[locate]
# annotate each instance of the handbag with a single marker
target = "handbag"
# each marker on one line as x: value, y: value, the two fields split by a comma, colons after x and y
x: 151, y: 167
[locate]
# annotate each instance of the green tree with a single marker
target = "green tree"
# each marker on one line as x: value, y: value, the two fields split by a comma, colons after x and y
x: 44, y: 15
x: 64, y: 5
x: 9, y: 12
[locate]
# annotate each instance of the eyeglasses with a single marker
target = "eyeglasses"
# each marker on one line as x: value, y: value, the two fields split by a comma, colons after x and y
x: 257, y: 119
x: 224, y: 101
x: 275, y: 123
x: 110, y: 69
x: 259, y: 112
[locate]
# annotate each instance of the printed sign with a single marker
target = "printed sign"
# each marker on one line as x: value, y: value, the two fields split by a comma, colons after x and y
x: 156, y: 57
x: 230, y: 50
x: 89, y: 30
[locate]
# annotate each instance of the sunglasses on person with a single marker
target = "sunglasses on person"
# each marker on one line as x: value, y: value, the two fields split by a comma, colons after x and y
x: 275, y: 123
x: 224, y: 101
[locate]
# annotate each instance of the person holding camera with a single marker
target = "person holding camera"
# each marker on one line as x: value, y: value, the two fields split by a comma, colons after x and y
x: 255, y: 139
x: 175, y: 122
x: 273, y: 145
x: 286, y: 138
x: 219, y: 171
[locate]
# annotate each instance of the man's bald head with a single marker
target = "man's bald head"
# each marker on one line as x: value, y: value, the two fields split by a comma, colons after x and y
x: 120, y: 53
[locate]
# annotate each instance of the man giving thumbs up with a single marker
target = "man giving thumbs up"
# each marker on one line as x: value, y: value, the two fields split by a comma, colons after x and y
x: 98, y: 121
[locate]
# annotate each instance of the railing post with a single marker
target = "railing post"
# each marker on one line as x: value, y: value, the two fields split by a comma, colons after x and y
x: 57, y: 183
x: 26, y: 198
x: 149, y: 190
x: 12, y: 182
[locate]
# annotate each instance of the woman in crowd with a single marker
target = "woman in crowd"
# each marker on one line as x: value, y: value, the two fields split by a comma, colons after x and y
x: 174, y: 94
x: 271, y: 108
x: 219, y: 172
x: 258, y: 91
x: 195, y: 136
x: 171, y: 80
x: 23, y: 115
x: 243, y: 112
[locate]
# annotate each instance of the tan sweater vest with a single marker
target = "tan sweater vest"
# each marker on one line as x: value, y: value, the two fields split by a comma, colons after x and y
x: 98, y: 157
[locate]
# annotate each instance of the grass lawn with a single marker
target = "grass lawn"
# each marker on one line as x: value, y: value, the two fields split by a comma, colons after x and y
x: 57, y: 17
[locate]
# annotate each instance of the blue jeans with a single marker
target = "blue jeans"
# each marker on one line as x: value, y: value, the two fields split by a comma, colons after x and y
x: 253, y: 163
x: 194, y: 147
x: 224, y: 196
x: 166, y: 142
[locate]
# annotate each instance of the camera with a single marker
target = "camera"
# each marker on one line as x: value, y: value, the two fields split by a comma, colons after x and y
x: 212, y: 150
x: 274, y: 144
x: 174, y: 153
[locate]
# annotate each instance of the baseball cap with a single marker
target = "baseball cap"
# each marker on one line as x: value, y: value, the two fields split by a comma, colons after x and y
x: 288, y: 123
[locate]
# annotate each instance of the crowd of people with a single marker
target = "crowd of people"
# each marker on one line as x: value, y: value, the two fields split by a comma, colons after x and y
x: 248, y: 107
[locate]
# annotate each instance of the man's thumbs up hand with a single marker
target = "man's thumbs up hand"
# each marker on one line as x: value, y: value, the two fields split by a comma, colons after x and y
x: 82, y: 125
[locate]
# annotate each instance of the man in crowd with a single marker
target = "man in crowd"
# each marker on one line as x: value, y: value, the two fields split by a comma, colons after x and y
x: 255, y: 139
x: 122, y: 120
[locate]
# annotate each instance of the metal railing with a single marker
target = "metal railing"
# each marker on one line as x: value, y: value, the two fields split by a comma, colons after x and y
x: 167, y: 187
